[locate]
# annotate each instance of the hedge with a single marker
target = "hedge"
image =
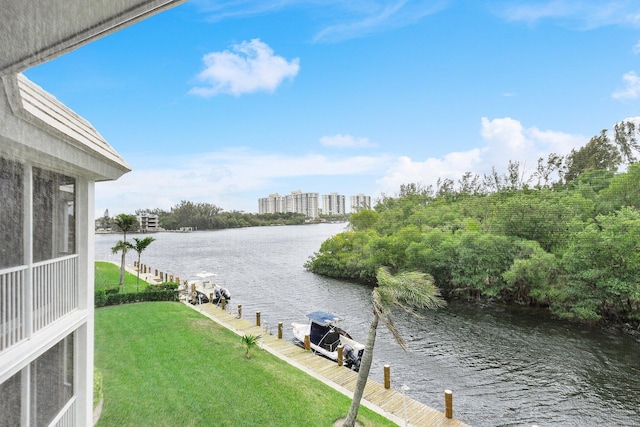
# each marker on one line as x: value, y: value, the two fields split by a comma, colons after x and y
x: 102, y: 299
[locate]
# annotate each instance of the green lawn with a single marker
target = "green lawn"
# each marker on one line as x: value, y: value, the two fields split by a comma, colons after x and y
x: 107, y: 275
x: 165, y: 364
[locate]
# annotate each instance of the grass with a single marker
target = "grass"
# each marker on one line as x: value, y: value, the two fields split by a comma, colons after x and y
x: 165, y: 364
x: 107, y: 275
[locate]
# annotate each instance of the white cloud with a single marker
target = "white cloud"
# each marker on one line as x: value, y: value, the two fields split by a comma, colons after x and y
x: 248, y: 67
x: 631, y: 89
x: 345, y: 141
x: 636, y: 48
x: 584, y: 15
x: 233, y: 179
x: 504, y: 139
x: 337, y: 19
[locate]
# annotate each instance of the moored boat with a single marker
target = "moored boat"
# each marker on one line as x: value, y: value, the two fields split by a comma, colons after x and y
x: 325, y: 337
x: 205, y: 290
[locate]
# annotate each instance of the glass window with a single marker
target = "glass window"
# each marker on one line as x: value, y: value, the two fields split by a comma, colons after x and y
x: 53, y: 215
x: 51, y: 382
x: 11, y: 213
x: 10, y: 401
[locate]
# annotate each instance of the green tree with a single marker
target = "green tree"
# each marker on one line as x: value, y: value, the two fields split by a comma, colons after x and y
x: 598, y: 153
x: 139, y: 246
x: 121, y: 246
x: 408, y: 291
x: 125, y: 223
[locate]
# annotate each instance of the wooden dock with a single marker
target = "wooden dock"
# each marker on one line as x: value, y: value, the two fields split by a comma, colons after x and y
x: 387, y: 402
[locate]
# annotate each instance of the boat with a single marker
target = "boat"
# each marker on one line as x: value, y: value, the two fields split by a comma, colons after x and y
x: 325, y: 337
x: 201, y: 288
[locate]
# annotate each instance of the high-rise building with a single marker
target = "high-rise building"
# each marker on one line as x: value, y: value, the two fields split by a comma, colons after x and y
x: 333, y: 204
x: 359, y: 202
x: 275, y: 203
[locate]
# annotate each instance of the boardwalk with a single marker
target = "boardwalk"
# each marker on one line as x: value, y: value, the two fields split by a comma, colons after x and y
x: 388, y: 402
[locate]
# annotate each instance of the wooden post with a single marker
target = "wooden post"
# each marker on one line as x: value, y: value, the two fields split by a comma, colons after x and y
x: 144, y: 268
x: 448, y: 403
x: 156, y: 275
x: 340, y: 355
x: 279, y: 330
x: 211, y: 297
x: 170, y: 278
x: 161, y: 276
x: 387, y: 377
x: 257, y: 318
x: 239, y: 311
x: 177, y: 280
x: 223, y: 303
x: 307, y: 342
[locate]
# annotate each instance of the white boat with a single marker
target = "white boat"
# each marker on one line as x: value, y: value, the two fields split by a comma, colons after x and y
x: 325, y: 337
x: 201, y: 288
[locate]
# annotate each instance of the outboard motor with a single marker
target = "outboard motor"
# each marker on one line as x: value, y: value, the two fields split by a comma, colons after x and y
x: 351, y: 360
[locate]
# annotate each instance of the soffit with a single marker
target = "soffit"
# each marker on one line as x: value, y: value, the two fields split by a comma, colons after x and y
x: 35, y: 31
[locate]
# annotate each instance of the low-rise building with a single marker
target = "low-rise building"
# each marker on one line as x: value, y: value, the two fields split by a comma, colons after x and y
x: 50, y: 159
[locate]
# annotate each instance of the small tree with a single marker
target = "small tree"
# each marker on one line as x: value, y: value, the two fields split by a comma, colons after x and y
x: 250, y: 341
x: 409, y: 291
x: 139, y: 246
x: 122, y: 247
x: 125, y: 223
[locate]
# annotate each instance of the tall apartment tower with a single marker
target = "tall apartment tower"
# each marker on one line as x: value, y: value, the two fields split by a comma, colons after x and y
x: 305, y: 203
x: 275, y: 203
x: 359, y: 202
x: 333, y: 204
x: 50, y: 159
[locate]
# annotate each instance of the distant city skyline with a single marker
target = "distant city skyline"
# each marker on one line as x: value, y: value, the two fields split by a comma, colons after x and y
x: 308, y: 203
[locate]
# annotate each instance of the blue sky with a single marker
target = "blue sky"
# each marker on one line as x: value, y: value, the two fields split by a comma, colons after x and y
x: 228, y: 101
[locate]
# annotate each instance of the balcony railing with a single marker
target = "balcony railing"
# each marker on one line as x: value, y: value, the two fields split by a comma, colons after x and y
x: 12, y: 307
x: 54, y: 290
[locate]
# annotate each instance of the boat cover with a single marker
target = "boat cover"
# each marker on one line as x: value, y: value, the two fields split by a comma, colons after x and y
x: 323, y: 318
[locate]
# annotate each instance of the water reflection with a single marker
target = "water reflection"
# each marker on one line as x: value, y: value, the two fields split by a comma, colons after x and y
x: 507, y: 367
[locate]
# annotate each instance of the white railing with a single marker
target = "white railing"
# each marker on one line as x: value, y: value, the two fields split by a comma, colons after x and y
x: 12, y: 307
x: 55, y: 290
x: 66, y: 417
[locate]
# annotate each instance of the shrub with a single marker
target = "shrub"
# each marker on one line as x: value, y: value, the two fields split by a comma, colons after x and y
x: 166, y: 286
x: 101, y: 299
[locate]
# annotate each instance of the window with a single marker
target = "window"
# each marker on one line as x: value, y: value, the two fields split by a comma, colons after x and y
x: 51, y: 382
x: 10, y: 401
x: 53, y: 215
x: 11, y: 213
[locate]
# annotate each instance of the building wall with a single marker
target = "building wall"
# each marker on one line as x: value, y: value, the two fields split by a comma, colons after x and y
x: 46, y: 262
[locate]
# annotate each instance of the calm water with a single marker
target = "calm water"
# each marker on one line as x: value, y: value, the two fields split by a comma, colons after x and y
x: 505, y: 367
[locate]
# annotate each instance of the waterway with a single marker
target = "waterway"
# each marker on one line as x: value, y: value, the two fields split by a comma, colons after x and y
x: 505, y: 366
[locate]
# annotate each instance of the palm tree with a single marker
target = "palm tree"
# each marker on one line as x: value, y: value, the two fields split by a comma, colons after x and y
x: 125, y: 223
x: 408, y: 291
x: 139, y: 247
x: 121, y: 246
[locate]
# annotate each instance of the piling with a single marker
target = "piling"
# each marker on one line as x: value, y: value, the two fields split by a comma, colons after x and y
x: 307, y: 342
x: 257, y: 318
x: 448, y: 403
x: 239, y: 311
x: 340, y: 355
x: 387, y: 377
x: 223, y: 303
x: 279, y: 330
